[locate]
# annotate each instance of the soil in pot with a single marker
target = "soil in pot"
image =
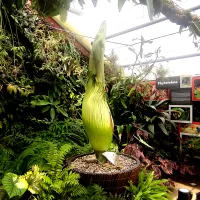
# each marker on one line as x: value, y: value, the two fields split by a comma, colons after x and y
x: 112, y: 178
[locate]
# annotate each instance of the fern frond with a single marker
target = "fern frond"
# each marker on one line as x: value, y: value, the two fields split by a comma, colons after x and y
x: 94, y: 192
x: 148, y: 188
x: 115, y: 197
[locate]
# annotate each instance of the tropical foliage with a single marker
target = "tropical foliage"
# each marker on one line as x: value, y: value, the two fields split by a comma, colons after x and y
x: 41, y: 91
x: 148, y: 188
x: 40, y: 100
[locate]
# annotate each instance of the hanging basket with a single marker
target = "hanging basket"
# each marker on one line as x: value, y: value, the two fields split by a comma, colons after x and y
x: 113, y: 182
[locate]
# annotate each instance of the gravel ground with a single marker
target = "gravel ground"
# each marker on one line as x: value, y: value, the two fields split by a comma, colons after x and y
x: 89, y: 164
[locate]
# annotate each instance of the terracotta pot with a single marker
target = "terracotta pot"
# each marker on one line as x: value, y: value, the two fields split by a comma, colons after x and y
x: 111, y: 182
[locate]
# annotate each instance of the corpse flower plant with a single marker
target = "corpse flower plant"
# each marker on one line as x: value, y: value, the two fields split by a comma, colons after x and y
x: 96, y: 115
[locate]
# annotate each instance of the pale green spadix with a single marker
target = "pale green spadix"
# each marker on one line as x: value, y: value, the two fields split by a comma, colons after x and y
x: 96, y: 115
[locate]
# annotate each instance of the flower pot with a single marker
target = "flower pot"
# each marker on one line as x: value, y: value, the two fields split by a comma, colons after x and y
x: 112, y: 182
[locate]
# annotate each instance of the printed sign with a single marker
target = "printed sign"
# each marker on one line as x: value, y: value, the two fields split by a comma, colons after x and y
x: 181, y: 96
x: 168, y: 83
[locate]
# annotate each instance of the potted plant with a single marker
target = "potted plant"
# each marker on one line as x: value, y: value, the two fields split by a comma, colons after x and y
x: 110, y: 170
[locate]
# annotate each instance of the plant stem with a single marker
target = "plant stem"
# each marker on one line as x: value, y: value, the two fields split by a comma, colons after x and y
x: 102, y: 159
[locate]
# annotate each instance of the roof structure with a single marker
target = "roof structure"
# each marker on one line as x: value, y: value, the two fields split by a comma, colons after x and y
x: 164, y: 34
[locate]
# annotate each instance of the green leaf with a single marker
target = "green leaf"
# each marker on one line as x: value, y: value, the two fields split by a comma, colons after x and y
x: 131, y: 91
x: 40, y: 103
x: 147, y: 118
x: 50, y: 95
x: 57, y: 102
x: 60, y: 110
x: 162, y: 127
x: 120, y: 129
x: 174, y: 124
x: 133, y: 117
x: 162, y: 119
x: 128, y: 128
x: 73, y: 80
x: 143, y: 142
x: 161, y: 102
x: 34, y: 178
x: 153, y: 107
x: 150, y: 9
x: 52, y: 113
x: 166, y: 115
x: 14, y: 185
x: 151, y: 99
x: 45, y: 109
x: 121, y: 4
x: 123, y: 103
x: 151, y: 128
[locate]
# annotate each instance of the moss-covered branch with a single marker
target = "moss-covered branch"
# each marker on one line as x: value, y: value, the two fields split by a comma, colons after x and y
x: 175, y: 14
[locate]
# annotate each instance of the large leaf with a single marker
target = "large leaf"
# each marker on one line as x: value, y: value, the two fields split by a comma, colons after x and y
x: 14, y: 185
x: 40, y: 102
x: 150, y: 9
x: 17, y: 3
x: 57, y: 102
x: 162, y: 127
x: 60, y: 110
x: 162, y: 119
x: 151, y: 127
x: 50, y: 95
x: 50, y: 7
x: 151, y: 99
x: 45, y: 109
x: 34, y: 178
x: 174, y: 124
x: 121, y: 4
x: 161, y: 102
x: 166, y: 115
x: 153, y: 107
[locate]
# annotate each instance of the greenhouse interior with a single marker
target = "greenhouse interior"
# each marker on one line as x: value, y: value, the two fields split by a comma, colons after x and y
x: 99, y: 100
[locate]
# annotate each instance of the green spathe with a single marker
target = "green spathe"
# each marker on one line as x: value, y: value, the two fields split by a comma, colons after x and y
x: 96, y: 115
